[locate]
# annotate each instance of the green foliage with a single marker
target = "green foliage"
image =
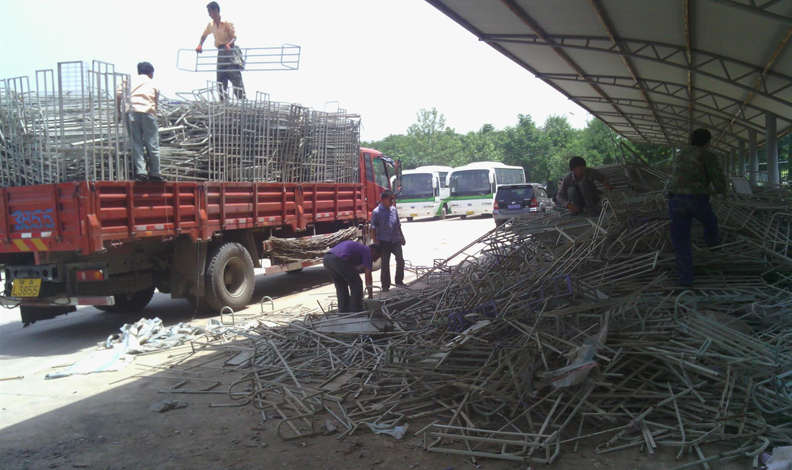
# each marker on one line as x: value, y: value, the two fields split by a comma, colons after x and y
x: 543, y: 151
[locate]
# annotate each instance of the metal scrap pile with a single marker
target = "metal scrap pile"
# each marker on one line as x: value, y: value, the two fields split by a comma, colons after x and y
x: 548, y: 332
x: 205, y: 139
x: 63, y: 126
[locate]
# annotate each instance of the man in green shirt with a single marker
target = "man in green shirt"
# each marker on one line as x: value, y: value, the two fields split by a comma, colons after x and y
x: 695, y: 168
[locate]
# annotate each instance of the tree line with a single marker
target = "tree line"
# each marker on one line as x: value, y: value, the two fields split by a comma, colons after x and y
x: 543, y: 151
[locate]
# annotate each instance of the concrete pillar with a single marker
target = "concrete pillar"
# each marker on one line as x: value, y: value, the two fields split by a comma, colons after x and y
x: 771, y: 144
x: 753, y: 156
x: 741, y: 159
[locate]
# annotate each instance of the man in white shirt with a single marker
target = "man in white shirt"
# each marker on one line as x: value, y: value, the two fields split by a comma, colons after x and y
x: 142, y: 121
x: 229, y: 66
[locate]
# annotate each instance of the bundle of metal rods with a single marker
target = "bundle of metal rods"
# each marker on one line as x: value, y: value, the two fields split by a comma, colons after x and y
x: 546, y: 333
x: 64, y: 126
x: 287, y: 250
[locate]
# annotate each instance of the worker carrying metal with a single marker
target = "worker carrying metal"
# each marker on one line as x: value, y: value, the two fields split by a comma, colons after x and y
x: 230, y: 61
x: 342, y: 263
x: 695, y: 167
x: 141, y: 121
x: 577, y: 191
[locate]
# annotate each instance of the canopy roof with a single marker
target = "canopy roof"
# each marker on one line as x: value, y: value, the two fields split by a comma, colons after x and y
x: 653, y: 70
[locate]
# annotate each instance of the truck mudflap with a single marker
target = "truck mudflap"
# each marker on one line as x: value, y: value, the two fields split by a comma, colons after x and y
x: 61, y: 301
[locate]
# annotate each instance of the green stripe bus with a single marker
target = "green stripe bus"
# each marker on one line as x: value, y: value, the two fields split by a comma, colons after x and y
x: 473, y: 186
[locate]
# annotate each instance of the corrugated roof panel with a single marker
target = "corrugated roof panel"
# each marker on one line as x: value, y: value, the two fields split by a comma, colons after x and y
x: 639, y: 84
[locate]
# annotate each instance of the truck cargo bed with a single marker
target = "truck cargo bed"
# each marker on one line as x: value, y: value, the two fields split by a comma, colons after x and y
x: 84, y: 216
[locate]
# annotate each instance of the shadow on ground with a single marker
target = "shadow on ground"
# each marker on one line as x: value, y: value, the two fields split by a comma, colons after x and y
x: 87, y: 326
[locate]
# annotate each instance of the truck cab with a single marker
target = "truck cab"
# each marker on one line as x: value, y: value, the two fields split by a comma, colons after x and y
x: 377, y: 173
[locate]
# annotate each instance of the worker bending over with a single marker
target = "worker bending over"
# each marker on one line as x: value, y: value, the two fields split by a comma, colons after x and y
x: 695, y: 167
x: 342, y: 263
x: 577, y: 191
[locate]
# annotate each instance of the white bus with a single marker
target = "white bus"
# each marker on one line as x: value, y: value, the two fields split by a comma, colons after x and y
x: 423, y: 192
x: 473, y: 186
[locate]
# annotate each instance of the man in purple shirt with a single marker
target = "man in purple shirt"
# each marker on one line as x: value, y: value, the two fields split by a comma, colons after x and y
x: 386, y: 230
x: 342, y: 263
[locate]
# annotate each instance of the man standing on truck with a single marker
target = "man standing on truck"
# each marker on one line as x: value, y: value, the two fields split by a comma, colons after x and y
x: 386, y: 230
x: 577, y: 191
x: 695, y: 168
x: 229, y: 57
x: 342, y: 263
x: 142, y: 121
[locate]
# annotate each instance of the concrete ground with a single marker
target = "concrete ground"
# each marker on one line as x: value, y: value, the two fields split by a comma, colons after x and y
x: 103, y: 421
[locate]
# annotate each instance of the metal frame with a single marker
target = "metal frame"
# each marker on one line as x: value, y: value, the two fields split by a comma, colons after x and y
x: 731, y: 111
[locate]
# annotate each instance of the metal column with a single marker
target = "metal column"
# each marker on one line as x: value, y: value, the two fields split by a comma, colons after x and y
x: 741, y: 159
x: 753, y: 155
x: 732, y: 158
x: 771, y: 144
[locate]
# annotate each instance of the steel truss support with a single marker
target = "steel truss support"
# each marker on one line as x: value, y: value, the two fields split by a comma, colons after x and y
x: 520, y: 13
x: 703, y: 99
x: 678, y: 110
x: 676, y: 127
x: 758, y: 8
x: 749, y: 77
x: 753, y: 156
x: 771, y: 144
x: 604, y: 19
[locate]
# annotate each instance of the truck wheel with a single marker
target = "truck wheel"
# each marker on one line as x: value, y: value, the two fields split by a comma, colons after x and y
x: 229, y: 277
x: 125, y: 303
x: 409, y: 219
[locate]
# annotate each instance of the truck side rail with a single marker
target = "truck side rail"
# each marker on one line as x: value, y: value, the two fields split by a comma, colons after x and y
x: 84, y: 216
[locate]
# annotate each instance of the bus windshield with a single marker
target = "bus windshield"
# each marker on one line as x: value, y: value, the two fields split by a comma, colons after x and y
x: 416, y: 186
x: 470, y: 183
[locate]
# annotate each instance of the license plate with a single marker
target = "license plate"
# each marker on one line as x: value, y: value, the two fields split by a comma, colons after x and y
x: 26, y: 288
x: 514, y: 206
x: 413, y: 215
x: 469, y: 212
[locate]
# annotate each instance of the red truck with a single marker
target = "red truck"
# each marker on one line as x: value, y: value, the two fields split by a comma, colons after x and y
x: 111, y: 243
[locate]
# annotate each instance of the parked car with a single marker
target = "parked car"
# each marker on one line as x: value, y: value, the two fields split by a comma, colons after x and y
x: 516, y: 200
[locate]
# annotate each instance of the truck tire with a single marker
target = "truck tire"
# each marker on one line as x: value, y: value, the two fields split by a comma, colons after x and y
x: 129, y: 304
x: 409, y: 219
x: 229, y: 277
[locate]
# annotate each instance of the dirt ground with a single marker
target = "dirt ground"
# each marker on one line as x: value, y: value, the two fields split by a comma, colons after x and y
x: 104, y: 421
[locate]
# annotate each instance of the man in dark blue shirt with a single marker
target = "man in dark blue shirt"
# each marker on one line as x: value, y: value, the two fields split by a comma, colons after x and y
x: 342, y: 263
x: 386, y: 230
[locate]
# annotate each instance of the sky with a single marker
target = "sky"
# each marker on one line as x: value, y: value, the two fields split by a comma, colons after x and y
x: 383, y: 60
